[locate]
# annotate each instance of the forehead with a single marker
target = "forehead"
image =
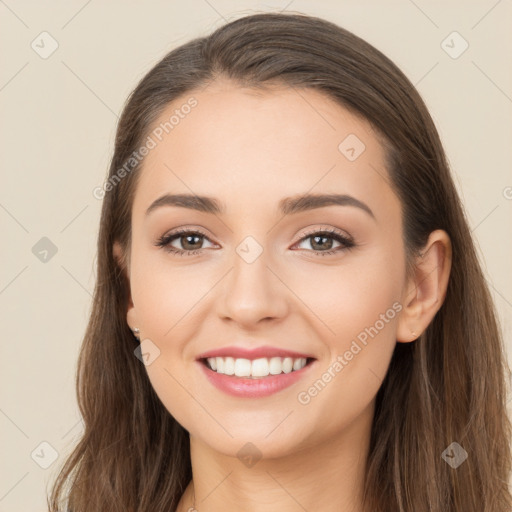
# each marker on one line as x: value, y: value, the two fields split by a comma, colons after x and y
x: 252, y: 147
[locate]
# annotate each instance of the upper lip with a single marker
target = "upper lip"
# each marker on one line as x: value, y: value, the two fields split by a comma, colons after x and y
x: 254, y: 353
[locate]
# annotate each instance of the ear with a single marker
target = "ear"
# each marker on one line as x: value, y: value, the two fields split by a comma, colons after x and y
x: 122, y: 261
x: 425, y: 291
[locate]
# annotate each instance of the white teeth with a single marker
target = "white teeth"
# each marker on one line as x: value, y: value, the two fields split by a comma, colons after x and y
x: 298, y: 364
x: 259, y: 367
x: 287, y: 364
x: 229, y: 366
x: 242, y: 368
x: 276, y: 366
x: 256, y: 368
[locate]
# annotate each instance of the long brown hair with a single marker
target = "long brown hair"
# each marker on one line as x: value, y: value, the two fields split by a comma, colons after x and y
x: 447, y: 386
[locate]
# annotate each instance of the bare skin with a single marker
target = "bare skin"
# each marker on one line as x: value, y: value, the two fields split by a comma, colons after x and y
x: 249, y: 150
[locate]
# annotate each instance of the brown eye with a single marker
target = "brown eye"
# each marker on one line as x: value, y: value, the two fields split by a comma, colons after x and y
x: 321, y: 242
x: 190, y: 241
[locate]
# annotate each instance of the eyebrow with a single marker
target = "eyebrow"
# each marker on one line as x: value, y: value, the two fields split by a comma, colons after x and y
x: 287, y: 206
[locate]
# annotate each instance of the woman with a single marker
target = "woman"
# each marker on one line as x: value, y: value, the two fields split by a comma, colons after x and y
x: 289, y: 311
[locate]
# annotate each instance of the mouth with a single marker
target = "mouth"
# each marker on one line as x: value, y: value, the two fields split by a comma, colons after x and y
x: 261, y: 368
x: 255, y: 378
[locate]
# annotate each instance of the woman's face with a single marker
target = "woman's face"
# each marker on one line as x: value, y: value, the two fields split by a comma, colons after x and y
x: 265, y: 270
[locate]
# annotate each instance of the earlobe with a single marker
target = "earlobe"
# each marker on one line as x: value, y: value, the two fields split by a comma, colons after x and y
x: 426, y: 289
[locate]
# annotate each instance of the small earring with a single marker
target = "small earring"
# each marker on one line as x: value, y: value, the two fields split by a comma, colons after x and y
x: 414, y: 334
x: 136, y: 333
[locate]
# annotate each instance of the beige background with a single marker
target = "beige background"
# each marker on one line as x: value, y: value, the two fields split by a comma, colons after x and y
x: 58, y: 116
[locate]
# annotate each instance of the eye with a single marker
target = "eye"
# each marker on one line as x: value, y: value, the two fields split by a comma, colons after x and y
x: 190, y: 240
x: 321, y: 241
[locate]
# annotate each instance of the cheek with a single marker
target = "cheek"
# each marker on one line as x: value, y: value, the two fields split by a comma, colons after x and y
x: 354, y: 295
x: 358, y: 304
x: 164, y: 299
x: 362, y: 317
x: 164, y: 294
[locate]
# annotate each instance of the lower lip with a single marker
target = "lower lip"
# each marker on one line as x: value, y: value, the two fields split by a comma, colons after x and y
x: 254, y: 388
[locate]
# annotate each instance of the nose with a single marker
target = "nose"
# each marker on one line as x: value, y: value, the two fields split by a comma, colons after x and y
x: 253, y: 292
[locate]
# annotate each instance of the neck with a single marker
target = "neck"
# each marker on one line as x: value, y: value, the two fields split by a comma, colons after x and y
x: 327, y: 476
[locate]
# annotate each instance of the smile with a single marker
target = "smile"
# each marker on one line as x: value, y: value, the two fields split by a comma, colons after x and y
x: 256, y: 378
x: 257, y: 368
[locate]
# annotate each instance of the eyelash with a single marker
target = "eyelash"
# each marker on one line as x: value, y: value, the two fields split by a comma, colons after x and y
x: 347, y: 243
